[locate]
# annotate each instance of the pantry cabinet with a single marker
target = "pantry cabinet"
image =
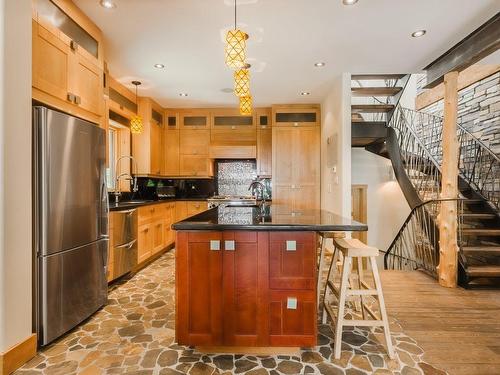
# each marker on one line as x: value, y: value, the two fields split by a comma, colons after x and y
x: 296, y: 166
x: 245, y: 288
x: 264, y: 143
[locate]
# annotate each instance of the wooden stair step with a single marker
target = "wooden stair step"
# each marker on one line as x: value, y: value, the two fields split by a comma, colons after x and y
x: 483, y: 271
x: 371, y: 77
x: 481, y: 231
x: 372, y: 108
x: 481, y: 249
x: 375, y: 91
x: 369, y: 123
x: 474, y: 215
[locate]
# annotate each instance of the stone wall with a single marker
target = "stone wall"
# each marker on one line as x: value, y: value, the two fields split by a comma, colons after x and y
x: 478, y: 110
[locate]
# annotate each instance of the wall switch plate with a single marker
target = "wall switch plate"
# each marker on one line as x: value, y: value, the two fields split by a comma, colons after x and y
x: 214, y: 245
x: 291, y: 303
x: 291, y: 245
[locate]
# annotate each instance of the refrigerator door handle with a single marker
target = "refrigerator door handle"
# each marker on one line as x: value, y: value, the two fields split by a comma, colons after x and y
x: 104, y: 207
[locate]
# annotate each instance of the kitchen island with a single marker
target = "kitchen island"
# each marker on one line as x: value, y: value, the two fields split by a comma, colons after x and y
x: 246, y: 276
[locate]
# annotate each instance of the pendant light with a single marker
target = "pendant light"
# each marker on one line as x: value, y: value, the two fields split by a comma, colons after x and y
x: 236, y: 46
x: 242, y: 81
x: 245, y: 105
x: 136, y: 120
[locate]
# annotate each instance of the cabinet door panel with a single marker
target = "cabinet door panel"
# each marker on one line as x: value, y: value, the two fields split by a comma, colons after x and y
x: 194, y: 142
x: 292, y: 318
x: 264, y: 152
x: 196, y: 207
x: 306, y: 162
x: 86, y: 81
x: 292, y: 263
x: 171, y: 153
x: 50, y: 63
x: 145, y: 242
x: 195, y: 165
x: 283, y: 155
x: 155, y: 148
x: 199, y: 283
x: 158, y: 233
x: 245, y: 288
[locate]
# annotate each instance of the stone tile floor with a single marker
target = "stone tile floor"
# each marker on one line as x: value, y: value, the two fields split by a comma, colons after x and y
x: 134, y: 334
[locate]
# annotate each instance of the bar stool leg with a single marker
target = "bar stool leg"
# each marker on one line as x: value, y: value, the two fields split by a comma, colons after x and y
x: 326, y: 291
x: 346, y: 269
x: 321, y: 265
x: 360, y: 284
x: 383, y: 312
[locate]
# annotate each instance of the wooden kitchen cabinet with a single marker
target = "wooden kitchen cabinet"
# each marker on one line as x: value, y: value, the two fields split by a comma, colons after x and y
x: 296, y: 166
x: 194, y: 119
x: 180, y: 210
x: 296, y: 115
x: 147, y: 146
x: 264, y: 143
x: 63, y: 78
x: 194, y: 142
x: 144, y: 242
x: 196, y: 166
x: 229, y: 128
x: 224, y: 291
x: 171, y: 145
x: 195, y: 207
x: 169, y: 219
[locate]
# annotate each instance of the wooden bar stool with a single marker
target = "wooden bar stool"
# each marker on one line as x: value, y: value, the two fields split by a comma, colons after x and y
x: 353, y: 249
x: 323, y: 236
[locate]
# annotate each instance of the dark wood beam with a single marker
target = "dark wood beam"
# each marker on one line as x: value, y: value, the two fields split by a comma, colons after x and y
x: 480, y: 43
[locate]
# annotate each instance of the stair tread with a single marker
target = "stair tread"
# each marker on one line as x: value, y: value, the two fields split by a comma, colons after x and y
x: 478, y: 215
x: 372, y: 108
x: 481, y: 231
x: 360, y: 77
x: 483, y: 270
x: 368, y: 122
x: 482, y: 248
x: 375, y: 91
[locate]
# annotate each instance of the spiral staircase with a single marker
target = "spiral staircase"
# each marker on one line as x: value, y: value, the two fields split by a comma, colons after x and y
x: 412, y: 141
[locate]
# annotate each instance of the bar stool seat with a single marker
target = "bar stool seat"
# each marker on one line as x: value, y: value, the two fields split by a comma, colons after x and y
x: 353, y: 249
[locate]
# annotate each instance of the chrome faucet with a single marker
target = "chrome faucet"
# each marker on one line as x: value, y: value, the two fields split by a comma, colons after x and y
x: 117, y: 193
x: 258, y: 185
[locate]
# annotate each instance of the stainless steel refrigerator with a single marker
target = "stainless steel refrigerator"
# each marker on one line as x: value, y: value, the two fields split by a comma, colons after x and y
x: 71, y: 216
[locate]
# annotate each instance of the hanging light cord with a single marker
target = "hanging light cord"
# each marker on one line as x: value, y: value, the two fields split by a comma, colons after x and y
x: 235, y: 14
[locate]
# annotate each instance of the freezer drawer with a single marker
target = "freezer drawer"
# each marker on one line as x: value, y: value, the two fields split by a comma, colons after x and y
x: 72, y: 287
x: 124, y: 258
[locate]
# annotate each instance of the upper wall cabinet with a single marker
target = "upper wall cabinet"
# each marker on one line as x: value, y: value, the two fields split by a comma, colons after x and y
x: 67, y: 60
x: 228, y: 127
x: 121, y: 99
x: 264, y: 142
x: 194, y: 119
x: 296, y: 115
x: 147, y: 146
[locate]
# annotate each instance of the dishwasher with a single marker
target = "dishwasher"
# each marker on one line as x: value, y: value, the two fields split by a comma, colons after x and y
x: 123, y: 241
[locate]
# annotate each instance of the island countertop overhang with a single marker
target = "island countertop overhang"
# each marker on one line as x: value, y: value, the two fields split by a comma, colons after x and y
x: 272, y: 218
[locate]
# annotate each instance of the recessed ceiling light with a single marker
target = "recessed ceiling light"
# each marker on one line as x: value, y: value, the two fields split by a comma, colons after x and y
x: 319, y: 64
x: 418, y: 33
x: 349, y: 2
x: 305, y: 93
x: 108, y: 4
x: 183, y: 94
x: 159, y: 66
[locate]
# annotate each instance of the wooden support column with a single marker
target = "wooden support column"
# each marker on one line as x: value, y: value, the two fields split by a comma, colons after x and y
x: 448, y: 247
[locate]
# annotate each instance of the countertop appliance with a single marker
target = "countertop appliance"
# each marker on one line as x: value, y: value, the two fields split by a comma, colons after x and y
x: 70, y: 221
x: 231, y: 200
x: 124, y: 241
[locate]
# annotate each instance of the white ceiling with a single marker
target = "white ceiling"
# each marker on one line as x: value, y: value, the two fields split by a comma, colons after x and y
x: 286, y: 38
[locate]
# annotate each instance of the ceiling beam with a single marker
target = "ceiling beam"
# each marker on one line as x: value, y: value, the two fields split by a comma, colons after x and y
x: 477, y: 45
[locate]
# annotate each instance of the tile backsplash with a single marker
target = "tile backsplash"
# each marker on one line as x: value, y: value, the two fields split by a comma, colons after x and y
x: 235, y: 176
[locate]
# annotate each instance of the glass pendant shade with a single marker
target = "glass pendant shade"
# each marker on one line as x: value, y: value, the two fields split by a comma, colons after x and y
x: 242, y: 82
x: 245, y: 105
x: 136, y: 124
x: 236, y: 48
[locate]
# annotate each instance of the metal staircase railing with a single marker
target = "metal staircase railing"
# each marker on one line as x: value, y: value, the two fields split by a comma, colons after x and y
x: 478, y: 165
x: 416, y: 246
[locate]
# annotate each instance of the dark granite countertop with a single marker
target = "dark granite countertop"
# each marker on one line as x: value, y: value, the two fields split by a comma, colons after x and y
x: 127, y: 205
x: 273, y: 217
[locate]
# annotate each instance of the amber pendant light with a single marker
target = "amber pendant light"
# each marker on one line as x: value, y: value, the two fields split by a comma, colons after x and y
x: 242, y: 81
x: 235, y: 46
x: 136, y: 120
x: 245, y: 105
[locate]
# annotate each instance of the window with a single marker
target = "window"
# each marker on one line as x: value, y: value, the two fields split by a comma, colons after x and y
x: 118, y: 145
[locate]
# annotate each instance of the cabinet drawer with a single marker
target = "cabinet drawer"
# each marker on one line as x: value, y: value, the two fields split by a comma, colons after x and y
x: 149, y: 213
x: 292, y: 318
x: 196, y: 207
x: 292, y: 260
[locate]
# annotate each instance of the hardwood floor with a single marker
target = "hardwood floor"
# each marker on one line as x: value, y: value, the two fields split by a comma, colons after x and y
x: 458, y: 329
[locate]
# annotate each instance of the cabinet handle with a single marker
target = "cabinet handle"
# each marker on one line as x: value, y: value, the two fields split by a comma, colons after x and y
x: 195, y: 152
x: 214, y: 245
x: 291, y: 245
x: 73, y: 45
x: 233, y: 127
x: 229, y: 245
x: 70, y: 97
x: 291, y: 303
x: 295, y: 124
x: 77, y: 100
